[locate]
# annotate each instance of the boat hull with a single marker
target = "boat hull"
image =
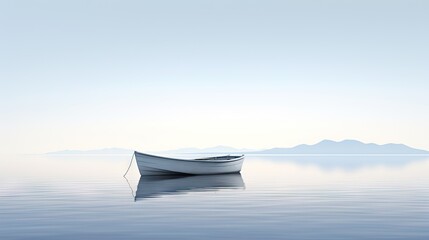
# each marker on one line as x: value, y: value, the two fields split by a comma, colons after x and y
x: 155, y: 165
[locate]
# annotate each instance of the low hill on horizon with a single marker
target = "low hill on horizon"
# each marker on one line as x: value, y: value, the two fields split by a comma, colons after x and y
x: 213, y: 150
x: 216, y: 149
x: 112, y: 151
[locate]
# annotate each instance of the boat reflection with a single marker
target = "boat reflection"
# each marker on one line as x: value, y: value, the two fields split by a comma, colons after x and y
x: 158, y: 186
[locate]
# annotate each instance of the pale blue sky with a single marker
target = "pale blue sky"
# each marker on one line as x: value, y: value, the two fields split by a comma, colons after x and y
x: 153, y: 75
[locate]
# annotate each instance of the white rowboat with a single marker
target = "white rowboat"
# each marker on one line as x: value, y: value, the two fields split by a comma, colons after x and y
x: 156, y: 165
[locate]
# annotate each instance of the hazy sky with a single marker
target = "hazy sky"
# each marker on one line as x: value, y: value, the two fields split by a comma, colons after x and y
x: 153, y: 75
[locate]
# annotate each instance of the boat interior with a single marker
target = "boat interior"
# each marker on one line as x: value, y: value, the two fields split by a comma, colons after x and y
x: 227, y: 157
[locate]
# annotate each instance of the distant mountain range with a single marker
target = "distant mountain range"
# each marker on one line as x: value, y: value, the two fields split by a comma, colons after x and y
x: 345, y: 147
x: 323, y: 147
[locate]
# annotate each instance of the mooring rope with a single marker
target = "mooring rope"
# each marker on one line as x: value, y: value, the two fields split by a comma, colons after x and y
x: 132, y: 190
x: 129, y: 165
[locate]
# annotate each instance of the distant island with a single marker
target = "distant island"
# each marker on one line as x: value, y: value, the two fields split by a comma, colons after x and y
x: 323, y: 147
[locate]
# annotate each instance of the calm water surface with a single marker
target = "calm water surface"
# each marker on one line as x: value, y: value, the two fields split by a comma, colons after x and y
x: 275, y: 197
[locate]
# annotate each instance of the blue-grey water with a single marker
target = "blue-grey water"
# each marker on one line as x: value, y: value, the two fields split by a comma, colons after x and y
x: 275, y: 197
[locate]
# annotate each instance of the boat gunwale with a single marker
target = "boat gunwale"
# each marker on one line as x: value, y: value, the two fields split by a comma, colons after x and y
x: 238, y: 158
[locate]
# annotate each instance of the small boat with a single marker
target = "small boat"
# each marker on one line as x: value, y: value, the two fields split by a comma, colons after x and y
x: 163, y: 185
x: 156, y: 165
